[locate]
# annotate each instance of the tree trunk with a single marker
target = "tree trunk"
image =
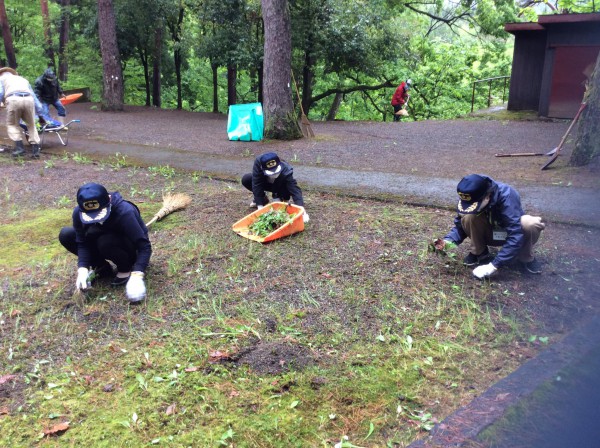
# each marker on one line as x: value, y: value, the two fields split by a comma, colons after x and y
x: 63, y: 40
x: 49, y: 50
x: 260, y: 69
x: 308, y: 77
x: 231, y: 85
x: 335, y: 106
x: 144, y: 60
x: 177, y: 57
x: 253, y: 73
x: 11, y: 58
x: 215, y: 82
x: 280, y: 120
x: 260, y: 83
x: 112, y: 94
x: 178, y: 60
x: 587, y: 145
x: 156, y: 99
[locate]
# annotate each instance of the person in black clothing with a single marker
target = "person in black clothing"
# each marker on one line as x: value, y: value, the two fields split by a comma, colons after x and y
x: 490, y: 214
x: 49, y: 92
x: 269, y: 173
x: 107, y: 227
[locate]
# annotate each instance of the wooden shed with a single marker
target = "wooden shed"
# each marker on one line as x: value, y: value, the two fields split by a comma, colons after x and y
x: 552, y: 60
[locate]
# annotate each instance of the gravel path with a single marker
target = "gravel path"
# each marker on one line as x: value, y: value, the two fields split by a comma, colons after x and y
x: 421, y: 161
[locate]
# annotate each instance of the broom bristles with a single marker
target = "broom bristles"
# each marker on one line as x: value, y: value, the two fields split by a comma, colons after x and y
x: 171, y: 203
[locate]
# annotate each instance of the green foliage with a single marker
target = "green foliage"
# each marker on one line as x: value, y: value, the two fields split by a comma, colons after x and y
x: 339, y: 44
x: 270, y: 221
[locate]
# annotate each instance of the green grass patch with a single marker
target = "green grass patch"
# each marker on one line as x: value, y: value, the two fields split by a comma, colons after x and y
x: 349, y: 331
x: 27, y: 239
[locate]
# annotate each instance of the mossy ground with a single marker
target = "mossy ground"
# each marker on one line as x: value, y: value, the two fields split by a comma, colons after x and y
x: 349, y: 328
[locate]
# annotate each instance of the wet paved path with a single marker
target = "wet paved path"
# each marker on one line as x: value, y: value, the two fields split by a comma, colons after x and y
x: 558, y: 203
x: 555, y: 396
x: 419, y: 162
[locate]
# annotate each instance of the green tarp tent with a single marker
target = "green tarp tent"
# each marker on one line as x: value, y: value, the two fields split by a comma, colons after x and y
x: 245, y: 122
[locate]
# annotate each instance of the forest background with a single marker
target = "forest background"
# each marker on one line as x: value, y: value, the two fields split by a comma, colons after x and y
x: 347, y: 56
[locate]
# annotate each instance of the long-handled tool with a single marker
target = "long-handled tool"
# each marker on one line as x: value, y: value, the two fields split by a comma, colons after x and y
x: 556, y: 151
x: 523, y: 154
x: 304, y: 123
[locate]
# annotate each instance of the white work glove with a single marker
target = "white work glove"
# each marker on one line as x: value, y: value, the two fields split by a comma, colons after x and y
x: 82, y: 279
x: 135, y: 288
x: 485, y: 270
x: 305, y: 217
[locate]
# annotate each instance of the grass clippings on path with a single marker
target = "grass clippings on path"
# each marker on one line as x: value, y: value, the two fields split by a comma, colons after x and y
x: 348, y: 329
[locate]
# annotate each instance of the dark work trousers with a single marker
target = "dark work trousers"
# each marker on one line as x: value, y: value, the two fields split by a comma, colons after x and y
x: 104, y: 246
x: 283, y: 194
x: 396, y: 109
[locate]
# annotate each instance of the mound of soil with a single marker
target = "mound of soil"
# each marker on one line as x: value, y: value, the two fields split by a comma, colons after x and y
x: 276, y: 357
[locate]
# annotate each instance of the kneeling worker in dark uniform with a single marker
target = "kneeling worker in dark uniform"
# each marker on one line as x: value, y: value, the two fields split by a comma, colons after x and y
x: 107, y: 227
x: 269, y: 173
x: 490, y: 214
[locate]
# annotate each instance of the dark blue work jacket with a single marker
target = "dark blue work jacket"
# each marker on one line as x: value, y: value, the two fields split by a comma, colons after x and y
x: 503, y: 211
x: 124, y: 220
x: 284, y: 186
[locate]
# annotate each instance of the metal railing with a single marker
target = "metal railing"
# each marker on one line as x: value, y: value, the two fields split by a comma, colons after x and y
x: 489, y: 81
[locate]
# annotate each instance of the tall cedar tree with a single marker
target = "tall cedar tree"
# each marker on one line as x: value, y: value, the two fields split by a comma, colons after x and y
x: 157, y: 64
x: 112, y: 95
x: 49, y: 50
x: 587, y: 146
x: 280, y: 120
x: 63, y: 40
x: 7, y: 36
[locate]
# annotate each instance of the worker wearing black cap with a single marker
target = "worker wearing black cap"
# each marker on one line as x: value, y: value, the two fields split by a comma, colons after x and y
x: 490, y: 214
x: 270, y: 173
x: 107, y: 227
x: 49, y: 92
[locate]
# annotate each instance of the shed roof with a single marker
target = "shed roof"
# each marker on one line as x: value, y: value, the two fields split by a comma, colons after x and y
x: 551, y: 19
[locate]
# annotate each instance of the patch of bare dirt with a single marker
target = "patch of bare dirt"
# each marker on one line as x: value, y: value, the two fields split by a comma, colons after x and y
x: 11, y: 393
x: 276, y: 357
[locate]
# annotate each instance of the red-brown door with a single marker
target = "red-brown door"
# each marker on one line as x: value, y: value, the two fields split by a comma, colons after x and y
x: 571, y: 65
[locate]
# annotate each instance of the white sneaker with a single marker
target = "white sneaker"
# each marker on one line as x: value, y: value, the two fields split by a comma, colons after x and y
x: 252, y: 204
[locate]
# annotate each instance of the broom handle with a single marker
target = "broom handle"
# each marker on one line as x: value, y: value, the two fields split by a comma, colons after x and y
x: 152, y: 221
x: 581, y: 107
x: 297, y: 93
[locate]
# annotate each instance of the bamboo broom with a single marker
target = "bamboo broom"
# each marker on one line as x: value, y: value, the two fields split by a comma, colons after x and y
x: 171, y: 203
x: 305, y: 124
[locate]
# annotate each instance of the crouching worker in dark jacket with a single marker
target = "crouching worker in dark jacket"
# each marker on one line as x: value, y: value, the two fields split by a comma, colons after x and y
x: 490, y: 214
x: 107, y: 227
x: 269, y: 173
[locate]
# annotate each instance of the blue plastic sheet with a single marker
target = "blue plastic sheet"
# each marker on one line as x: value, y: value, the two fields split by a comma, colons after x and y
x: 245, y: 122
